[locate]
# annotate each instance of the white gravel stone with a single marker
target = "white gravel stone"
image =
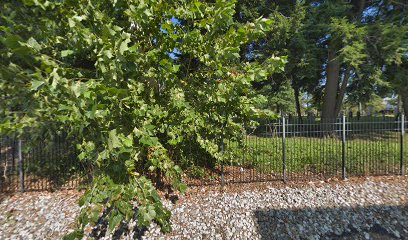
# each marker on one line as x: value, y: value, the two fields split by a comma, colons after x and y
x: 366, y: 210
x: 38, y: 215
x: 346, y: 211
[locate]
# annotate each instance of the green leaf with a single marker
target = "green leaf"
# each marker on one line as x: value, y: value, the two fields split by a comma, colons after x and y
x: 163, y: 62
x: 75, y: 235
x: 130, y: 165
x: 82, y: 156
x: 113, y: 141
x: 128, y: 142
x: 150, y: 214
x: 66, y: 53
x: 35, y: 84
x: 94, y: 215
x: 108, y: 53
x: 182, y: 187
x: 82, y: 200
x: 148, y: 140
x: 115, y: 221
x: 175, y: 68
x: 104, y: 154
x: 71, y: 22
x: 177, y: 169
x: 34, y: 44
x: 236, y: 55
x: 12, y: 41
x: 124, y: 46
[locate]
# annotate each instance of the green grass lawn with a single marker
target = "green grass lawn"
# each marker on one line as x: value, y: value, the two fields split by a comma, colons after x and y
x: 368, y: 154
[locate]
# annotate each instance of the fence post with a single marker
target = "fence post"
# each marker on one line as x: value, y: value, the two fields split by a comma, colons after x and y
x: 343, y: 148
x: 402, y: 170
x: 283, y: 149
x: 222, y: 162
x: 21, y: 165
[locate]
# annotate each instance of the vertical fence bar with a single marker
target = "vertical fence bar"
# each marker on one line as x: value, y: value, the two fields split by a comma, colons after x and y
x: 222, y: 162
x: 1, y: 157
x: 283, y: 149
x: 402, y: 170
x: 343, y: 148
x: 21, y: 165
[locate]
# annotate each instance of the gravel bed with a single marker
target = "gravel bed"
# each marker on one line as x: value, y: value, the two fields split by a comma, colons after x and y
x: 372, y: 209
x: 375, y: 208
x: 38, y: 215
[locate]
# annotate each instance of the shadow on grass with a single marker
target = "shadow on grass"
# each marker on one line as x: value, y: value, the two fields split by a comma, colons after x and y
x: 373, y: 222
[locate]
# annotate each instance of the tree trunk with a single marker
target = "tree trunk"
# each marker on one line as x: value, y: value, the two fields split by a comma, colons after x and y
x: 333, y: 96
x: 404, y: 98
x: 332, y: 84
x: 340, y: 98
x: 360, y: 5
x: 297, y: 100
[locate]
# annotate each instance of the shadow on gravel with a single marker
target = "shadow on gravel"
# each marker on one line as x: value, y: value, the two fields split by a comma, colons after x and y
x: 4, y: 195
x: 374, y: 222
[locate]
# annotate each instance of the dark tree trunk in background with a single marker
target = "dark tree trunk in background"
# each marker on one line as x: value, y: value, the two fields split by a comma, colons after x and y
x: 359, y: 6
x: 297, y: 99
x: 404, y: 99
x: 334, y: 94
x: 342, y: 92
x: 331, y: 88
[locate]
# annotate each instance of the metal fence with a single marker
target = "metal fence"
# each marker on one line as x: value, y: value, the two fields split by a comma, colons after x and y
x: 41, y: 164
x: 299, y: 149
x: 288, y: 149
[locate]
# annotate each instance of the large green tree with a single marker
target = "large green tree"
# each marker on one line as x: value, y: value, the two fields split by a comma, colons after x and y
x: 388, y: 48
x: 335, y: 49
x: 136, y: 82
x: 287, y: 39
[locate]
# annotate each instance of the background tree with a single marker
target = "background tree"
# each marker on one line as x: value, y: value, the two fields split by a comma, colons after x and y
x: 287, y: 39
x: 335, y: 49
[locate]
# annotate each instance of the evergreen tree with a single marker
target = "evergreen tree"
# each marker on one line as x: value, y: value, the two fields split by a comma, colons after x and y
x: 335, y: 48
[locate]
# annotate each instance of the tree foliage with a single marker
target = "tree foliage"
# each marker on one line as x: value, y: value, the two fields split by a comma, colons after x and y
x: 336, y: 50
x: 136, y: 82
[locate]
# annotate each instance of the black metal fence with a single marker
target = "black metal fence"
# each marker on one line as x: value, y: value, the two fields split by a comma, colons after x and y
x: 41, y: 164
x: 294, y: 149
x: 288, y: 149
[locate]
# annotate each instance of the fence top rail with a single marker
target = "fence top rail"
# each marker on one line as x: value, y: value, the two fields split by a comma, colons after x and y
x: 329, y: 121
